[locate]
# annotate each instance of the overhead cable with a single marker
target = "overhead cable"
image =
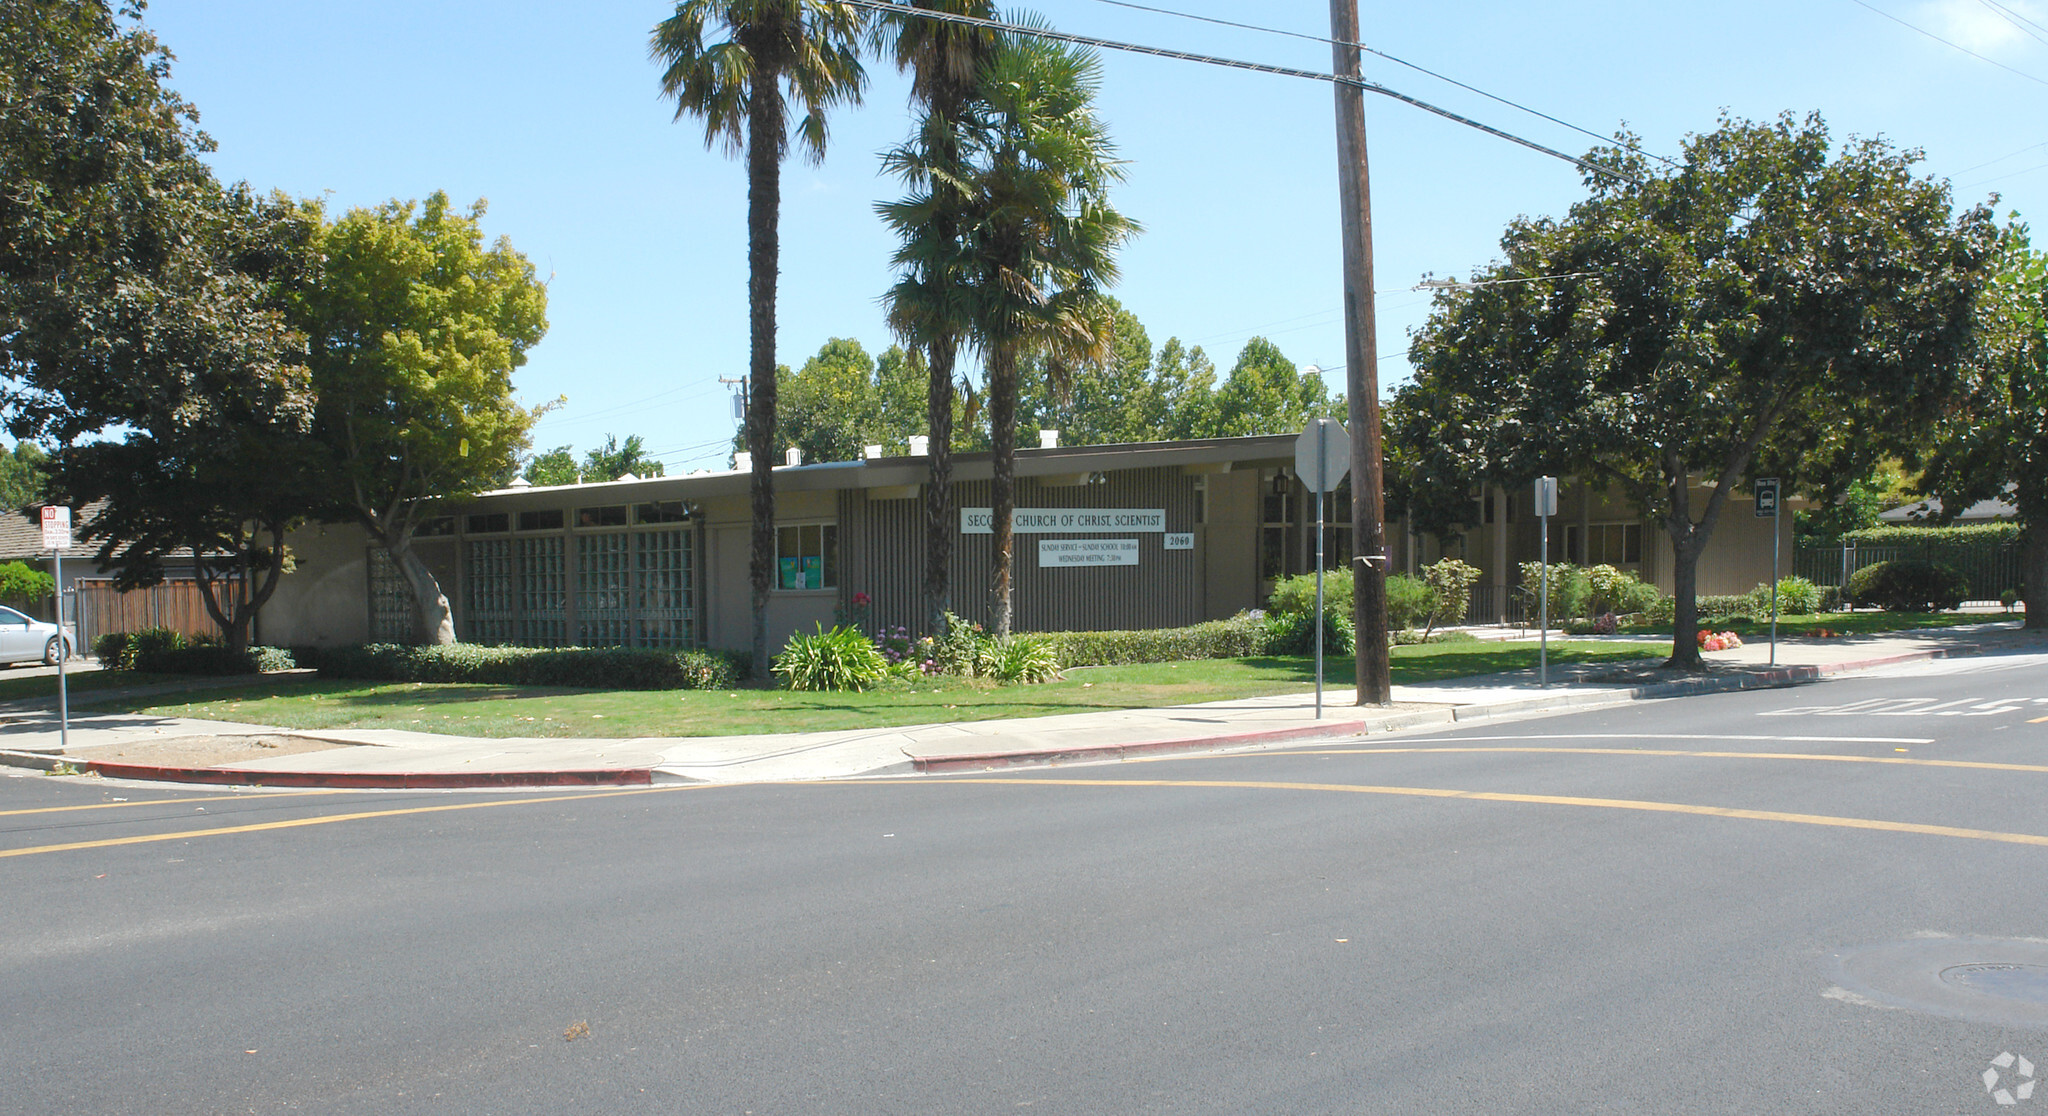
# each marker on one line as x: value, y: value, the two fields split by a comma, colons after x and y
x: 1238, y: 64
x: 1945, y: 42
x: 1398, y: 62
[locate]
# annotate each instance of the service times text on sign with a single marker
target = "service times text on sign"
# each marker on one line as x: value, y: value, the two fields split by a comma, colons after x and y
x: 1087, y: 552
x: 977, y: 521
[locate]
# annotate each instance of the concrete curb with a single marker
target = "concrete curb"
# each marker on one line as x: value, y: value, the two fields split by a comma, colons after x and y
x: 1757, y: 680
x: 987, y: 761
x: 344, y: 780
x: 992, y: 761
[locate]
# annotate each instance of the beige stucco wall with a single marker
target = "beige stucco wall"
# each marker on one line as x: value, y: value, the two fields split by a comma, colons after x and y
x: 1230, y: 544
x: 728, y: 600
x: 325, y: 601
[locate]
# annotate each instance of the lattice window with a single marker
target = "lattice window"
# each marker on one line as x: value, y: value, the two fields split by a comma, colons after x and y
x: 391, y: 600
x: 604, y: 590
x: 665, y: 598
x: 492, y: 613
x: 543, y: 593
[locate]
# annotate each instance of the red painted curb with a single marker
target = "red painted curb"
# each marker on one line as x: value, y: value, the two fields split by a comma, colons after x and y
x: 362, y: 780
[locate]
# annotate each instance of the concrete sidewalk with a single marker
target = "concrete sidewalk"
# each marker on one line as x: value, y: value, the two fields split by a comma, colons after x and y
x: 110, y: 744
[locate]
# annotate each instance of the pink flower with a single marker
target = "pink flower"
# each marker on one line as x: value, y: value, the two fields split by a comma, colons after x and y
x: 860, y: 598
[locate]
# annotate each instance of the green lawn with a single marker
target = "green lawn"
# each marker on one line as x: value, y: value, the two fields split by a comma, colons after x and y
x: 83, y: 682
x: 514, y: 711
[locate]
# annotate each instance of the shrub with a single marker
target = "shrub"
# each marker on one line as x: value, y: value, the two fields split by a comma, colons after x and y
x: 611, y: 668
x: 1450, y: 585
x: 111, y: 649
x: 1297, y: 594
x: 24, y: 584
x: 1410, y: 602
x: 1571, y: 591
x: 1024, y: 658
x: 962, y: 648
x: 1797, y: 596
x: 1908, y: 586
x: 214, y: 660
x: 1618, y: 591
x: 1296, y: 635
x: 1241, y: 635
x: 143, y: 649
x: 843, y: 658
x: 1830, y: 598
x: 1721, y: 606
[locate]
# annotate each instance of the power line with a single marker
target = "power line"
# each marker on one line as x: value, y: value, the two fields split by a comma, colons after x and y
x: 1238, y: 64
x: 2002, y: 158
x: 1397, y: 61
x: 1947, y: 43
x: 2017, y: 20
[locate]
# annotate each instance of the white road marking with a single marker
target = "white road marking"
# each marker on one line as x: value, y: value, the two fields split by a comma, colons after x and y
x: 1706, y: 736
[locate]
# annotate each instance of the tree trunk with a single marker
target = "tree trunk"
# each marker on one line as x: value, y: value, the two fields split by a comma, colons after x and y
x: 235, y: 615
x: 764, y: 204
x: 938, y: 495
x: 433, y: 622
x: 1686, y: 545
x: 1002, y: 428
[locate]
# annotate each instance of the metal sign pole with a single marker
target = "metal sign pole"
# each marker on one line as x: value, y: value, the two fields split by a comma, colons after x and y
x: 1775, y: 513
x: 1543, y: 597
x: 1322, y: 485
x: 63, y: 649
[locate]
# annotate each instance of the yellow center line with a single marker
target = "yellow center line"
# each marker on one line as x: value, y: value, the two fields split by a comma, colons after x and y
x: 1550, y: 800
x: 327, y: 819
x: 253, y: 796
x: 1813, y: 757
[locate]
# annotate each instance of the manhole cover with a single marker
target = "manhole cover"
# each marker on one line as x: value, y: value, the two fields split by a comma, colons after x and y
x: 2007, y: 981
x: 2000, y: 981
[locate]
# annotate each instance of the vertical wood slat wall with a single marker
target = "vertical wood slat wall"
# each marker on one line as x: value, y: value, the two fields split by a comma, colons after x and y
x: 882, y: 555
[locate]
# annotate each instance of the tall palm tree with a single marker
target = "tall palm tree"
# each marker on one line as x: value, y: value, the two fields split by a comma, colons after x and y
x: 812, y: 47
x: 926, y: 307
x: 1041, y: 244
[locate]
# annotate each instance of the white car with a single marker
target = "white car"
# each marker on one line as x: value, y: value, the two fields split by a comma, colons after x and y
x: 23, y: 638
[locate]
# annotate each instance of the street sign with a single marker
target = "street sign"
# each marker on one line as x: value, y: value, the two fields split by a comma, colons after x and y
x: 56, y: 527
x: 1767, y: 498
x: 1546, y: 496
x: 1332, y: 451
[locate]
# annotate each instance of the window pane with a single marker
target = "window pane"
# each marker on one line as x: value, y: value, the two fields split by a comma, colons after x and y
x: 492, y: 524
x: 611, y: 516
x: 541, y: 520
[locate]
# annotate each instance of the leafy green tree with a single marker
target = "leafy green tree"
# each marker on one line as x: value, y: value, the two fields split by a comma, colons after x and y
x: 1769, y: 304
x: 556, y: 466
x: 1857, y: 507
x: 927, y: 307
x: 843, y: 400
x: 414, y: 327
x: 1266, y: 393
x: 737, y: 88
x: 24, y: 585
x: 1041, y: 245
x: 24, y: 475
x: 1994, y: 433
x: 104, y: 185
x: 615, y: 459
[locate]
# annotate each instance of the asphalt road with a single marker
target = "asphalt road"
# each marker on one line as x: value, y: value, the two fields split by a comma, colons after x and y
x: 1632, y: 910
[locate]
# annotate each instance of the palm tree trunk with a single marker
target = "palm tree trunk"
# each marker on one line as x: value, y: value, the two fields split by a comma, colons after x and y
x: 764, y: 204
x: 1002, y: 428
x: 938, y: 495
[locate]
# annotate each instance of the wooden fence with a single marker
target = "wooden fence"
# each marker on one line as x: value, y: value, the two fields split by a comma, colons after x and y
x: 99, y: 608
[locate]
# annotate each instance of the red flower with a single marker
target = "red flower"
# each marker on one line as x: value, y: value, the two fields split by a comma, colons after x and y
x: 860, y: 598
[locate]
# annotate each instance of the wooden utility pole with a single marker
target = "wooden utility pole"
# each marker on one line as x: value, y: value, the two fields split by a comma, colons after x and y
x: 1361, y: 368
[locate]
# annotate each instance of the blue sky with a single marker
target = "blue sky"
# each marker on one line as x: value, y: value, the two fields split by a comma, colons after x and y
x: 552, y: 112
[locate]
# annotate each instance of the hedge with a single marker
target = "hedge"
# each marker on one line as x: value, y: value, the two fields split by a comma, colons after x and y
x: 1963, y: 535
x: 212, y: 659
x: 606, y: 668
x: 1241, y: 635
